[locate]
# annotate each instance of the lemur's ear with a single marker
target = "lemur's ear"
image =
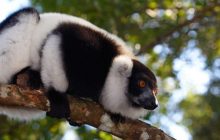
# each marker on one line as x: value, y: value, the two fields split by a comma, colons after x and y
x: 122, y: 65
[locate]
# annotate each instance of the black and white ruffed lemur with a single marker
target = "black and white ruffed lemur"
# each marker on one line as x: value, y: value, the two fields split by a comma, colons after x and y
x: 69, y: 55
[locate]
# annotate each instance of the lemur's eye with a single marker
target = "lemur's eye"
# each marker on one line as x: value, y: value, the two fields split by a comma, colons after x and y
x: 141, y: 83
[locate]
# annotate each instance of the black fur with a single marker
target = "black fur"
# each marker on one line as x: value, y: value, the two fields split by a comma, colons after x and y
x: 116, y: 118
x: 141, y: 72
x: 34, y: 79
x: 13, y: 19
x: 144, y: 73
x: 59, y: 104
x: 87, y: 57
x: 139, y: 67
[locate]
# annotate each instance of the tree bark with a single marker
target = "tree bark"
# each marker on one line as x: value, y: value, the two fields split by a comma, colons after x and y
x: 82, y: 111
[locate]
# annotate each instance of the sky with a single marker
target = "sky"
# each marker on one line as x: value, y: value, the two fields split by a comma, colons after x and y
x: 9, y: 6
x: 191, y: 76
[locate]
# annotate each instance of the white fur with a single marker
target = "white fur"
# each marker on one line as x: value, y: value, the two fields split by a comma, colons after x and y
x: 52, y: 71
x: 14, y: 47
x: 113, y: 96
x: 22, y: 114
x: 122, y: 66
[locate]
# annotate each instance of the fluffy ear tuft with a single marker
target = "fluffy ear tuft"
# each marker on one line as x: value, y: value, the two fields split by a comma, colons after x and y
x: 123, y: 65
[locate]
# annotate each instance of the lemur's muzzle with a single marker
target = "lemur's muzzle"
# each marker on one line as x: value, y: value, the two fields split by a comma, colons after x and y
x: 147, y: 100
x: 149, y: 103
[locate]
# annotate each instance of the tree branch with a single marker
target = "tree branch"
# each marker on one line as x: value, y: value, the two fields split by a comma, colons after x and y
x: 82, y: 111
x: 199, y: 15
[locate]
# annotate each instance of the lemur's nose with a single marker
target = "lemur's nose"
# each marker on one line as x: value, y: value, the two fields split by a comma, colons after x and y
x: 149, y: 103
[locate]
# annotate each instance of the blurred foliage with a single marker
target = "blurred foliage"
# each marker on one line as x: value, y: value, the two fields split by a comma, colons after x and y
x: 92, y: 134
x: 158, y: 31
x: 46, y: 129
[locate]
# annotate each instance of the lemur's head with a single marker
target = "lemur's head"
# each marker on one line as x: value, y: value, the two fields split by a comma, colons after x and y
x: 142, y: 88
x: 130, y: 88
